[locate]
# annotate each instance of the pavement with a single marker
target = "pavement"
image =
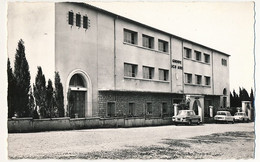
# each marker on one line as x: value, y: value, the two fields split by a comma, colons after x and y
x: 89, y: 140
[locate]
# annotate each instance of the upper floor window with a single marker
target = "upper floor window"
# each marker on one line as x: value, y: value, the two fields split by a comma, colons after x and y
x: 78, y: 20
x: 224, y: 62
x: 85, y: 22
x: 130, y: 70
x: 148, y: 72
x: 71, y: 14
x: 162, y: 46
x: 187, y: 52
x: 207, y: 80
x: 198, y: 79
x: 148, y: 41
x: 130, y: 36
x: 163, y: 74
x: 206, y: 58
x: 188, y: 78
x: 198, y: 55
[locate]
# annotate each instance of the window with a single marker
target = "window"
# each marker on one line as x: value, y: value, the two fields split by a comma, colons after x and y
x: 188, y: 78
x: 111, y: 109
x: 130, y: 36
x: 162, y: 46
x: 148, y: 72
x: 206, y: 58
x: 187, y: 52
x: 164, y: 107
x: 148, y: 41
x: 224, y: 62
x: 78, y: 18
x: 131, y: 109
x: 224, y: 102
x: 163, y: 74
x: 71, y: 14
x: 198, y: 55
x: 149, y: 108
x: 198, y: 79
x: 130, y: 70
x: 207, y: 80
x: 85, y: 22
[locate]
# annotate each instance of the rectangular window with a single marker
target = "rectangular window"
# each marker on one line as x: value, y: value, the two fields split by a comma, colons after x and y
x: 206, y: 58
x: 111, y: 109
x: 163, y: 74
x: 130, y: 70
x: 188, y: 78
x: 78, y: 19
x: 164, y: 107
x: 207, y: 80
x: 148, y: 41
x: 187, y: 52
x: 130, y: 36
x: 224, y: 62
x: 162, y: 46
x: 198, y: 79
x: 131, y: 109
x: 85, y: 22
x: 148, y: 72
x: 149, y: 108
x: 198, y: 55
x: 71, y: 14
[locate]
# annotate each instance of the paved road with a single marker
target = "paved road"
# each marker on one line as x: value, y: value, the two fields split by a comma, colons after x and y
x: 26, y: 144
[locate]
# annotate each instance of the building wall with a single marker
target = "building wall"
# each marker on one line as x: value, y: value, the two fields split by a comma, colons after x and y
x: 34, y: 24
x: 122, y: 100
x: 197, y: 68
x: 141, y: 56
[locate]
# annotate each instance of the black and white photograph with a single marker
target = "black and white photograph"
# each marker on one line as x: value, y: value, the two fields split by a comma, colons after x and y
x: 129, y: 80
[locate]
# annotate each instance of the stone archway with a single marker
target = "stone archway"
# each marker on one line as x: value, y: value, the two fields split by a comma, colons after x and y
x: 80, y: 87
x: 197, y: 108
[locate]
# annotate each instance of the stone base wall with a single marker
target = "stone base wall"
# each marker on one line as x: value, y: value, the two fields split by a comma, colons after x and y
x: 140, y: 99
x: 22, y: 125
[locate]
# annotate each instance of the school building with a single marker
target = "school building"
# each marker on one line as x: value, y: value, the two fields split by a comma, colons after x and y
x: 117, y: 67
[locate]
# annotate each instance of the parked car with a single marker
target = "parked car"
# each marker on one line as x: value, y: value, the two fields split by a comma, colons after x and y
x: 241, y: 116
x: 186, y: 117
x: 224, y: 116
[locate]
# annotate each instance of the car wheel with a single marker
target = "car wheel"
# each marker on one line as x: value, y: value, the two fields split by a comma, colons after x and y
x: 176, y: 124
x: 190, y: 122
x: 233, y: 121
x: 243, y: 120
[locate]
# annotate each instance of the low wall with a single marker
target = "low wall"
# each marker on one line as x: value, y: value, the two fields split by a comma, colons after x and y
x: 20, y: 125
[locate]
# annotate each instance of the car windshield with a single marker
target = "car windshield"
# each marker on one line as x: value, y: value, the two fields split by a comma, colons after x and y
x: 183, y: 112
x: 221, y: 113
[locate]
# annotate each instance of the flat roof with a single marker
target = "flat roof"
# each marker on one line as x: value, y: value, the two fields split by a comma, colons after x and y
x: 144, y: 25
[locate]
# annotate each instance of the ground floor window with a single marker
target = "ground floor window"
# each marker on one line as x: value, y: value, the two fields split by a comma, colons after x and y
x: 131, y: 109
x: 110, y: 109
x: 164, y: 107
x: 149, y: 108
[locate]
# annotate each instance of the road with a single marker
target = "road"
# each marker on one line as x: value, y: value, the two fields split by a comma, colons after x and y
x: 22, y: 145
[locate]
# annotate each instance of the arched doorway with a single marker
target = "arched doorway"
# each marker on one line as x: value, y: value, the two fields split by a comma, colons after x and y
x: 77, y: 99
x: 195, y: 107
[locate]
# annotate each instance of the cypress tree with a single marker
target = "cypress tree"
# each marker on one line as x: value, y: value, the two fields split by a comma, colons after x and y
x: 49, y: 100
x: 39, y: 90
x: 59, y: 96
x: 22, y: 77
x: 11, y: 90
x: 31, y: 103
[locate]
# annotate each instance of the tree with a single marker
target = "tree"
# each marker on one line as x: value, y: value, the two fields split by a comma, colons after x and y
x: 11, y: 90
x: 49, y: 100
x: 59, y: 97
x: 39, y: 91
x: 31, y: 102
x: 22, y: 78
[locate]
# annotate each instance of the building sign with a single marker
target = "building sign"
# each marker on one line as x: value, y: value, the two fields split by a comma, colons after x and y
x: 176, y: 64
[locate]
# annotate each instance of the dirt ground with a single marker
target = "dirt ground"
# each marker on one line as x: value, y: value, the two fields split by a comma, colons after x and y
x: 208, y: 141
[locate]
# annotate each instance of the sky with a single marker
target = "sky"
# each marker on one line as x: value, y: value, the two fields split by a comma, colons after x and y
x: 224, y: 26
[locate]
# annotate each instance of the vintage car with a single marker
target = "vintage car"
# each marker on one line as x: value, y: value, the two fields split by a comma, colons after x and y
x: 241, y: 117
x: 186, y: 117
x: 224, y: 116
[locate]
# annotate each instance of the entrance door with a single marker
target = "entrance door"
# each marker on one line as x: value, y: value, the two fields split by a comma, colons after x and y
x: 195, y: 108
x: 78, y: 108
